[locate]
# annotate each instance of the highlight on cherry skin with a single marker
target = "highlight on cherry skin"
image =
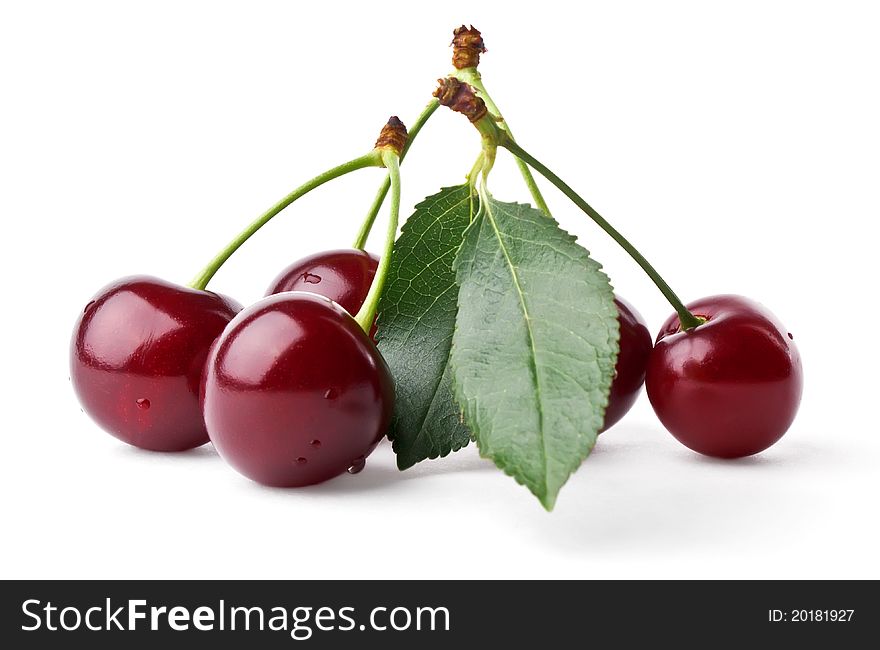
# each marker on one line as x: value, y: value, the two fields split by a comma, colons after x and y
x: 731, y: 386
x: 632, y: 363
x: 136, y: 359
x: 295, y: 392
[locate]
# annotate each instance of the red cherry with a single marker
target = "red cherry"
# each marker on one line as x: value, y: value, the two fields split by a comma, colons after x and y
x: 295, y: 393
x: 629, y: 373
x: 731, y: 386
x: 343, y: 275
x: 137, y: 356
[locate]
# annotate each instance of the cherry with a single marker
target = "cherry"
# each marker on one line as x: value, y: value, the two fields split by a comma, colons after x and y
x: 295, y: 392
x: 343, y: 275
x: 729, y: 387
x: 632, y: 361
x: 137, y: 356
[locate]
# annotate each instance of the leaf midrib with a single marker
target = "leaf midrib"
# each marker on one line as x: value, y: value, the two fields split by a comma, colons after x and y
x: 534, y: 352
x: 424, y: 418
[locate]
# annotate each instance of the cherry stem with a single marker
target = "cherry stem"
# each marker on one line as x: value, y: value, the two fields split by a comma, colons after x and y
x: 472, y: 77
x: 367, y: 312
x: 474, y: 173
x: 413, y: 131
x: 372, y: 159
x: 688, y: 320
x: 472, y: 177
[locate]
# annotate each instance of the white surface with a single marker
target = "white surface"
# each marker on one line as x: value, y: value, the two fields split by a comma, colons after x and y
x: 736, y: 144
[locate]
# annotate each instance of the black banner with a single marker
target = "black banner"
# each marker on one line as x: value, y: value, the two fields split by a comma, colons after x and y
x: 433, y: 614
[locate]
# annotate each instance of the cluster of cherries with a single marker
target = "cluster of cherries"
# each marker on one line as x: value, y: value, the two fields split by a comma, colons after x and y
x: 292, y: 391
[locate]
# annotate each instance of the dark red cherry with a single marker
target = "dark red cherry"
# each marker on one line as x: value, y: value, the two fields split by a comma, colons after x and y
x: 632, y: 361
x: 295, y: 393
x: 731, y: 386
x: 343, y: 275
x: 137, y: 356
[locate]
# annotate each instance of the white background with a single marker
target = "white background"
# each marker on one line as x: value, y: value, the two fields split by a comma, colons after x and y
x: 737, y: 144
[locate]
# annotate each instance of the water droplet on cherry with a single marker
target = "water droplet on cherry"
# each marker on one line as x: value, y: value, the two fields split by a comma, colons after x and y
x: 311, y: 278
x: 315, y: 443
x: 301, y: 460
x: 143, y: 403
x: 330, y: 394
x: 357, y: 465
x: 91, y: 302
x: 791, y: 336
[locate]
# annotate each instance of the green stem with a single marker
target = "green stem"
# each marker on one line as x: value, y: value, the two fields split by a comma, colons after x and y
x: 367, y: 312
x: 367, y: 226
x: 472, y: 77
x: 688, y: 320
x: 474, y: 173
x: 472, y: 178
x: 372, y: 159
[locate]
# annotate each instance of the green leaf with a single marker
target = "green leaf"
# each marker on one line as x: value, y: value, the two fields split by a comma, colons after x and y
x: 535, y: 345
x: 416, y: 323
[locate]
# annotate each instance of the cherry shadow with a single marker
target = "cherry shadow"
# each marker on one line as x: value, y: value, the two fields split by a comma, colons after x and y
x: 203, y: 453
x: 381, y: 473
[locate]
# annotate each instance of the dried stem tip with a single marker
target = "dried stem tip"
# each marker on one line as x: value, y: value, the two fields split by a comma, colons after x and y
x: 393, y: 136
x: 467, y: 46
x: 460, y: 97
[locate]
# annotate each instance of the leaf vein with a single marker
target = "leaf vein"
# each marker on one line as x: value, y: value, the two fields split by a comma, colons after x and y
x: 534, y: 353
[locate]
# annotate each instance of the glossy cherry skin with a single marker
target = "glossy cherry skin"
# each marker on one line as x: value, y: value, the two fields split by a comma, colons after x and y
x: 295, y: 392
x: 632, y: 362
x: 137, y: 356
x: 729, y: 387
x: 343, y: 275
